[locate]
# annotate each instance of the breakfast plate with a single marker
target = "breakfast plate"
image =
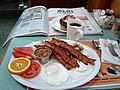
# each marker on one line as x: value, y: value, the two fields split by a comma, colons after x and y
x: 56, y: 25
x: 73, y: 77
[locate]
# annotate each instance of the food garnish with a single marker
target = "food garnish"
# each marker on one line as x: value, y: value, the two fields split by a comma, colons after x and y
x: 18, y: 55
x: 23, y: 52
x: 19, y: 65
x: 33, y: 70
x: 24, y: 67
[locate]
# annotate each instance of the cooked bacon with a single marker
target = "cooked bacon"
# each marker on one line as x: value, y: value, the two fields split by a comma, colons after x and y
x: 73, y: 51
x: 61, y: 52
x: 67, y: 52
x: 60, y: 59
x: 39, y: 46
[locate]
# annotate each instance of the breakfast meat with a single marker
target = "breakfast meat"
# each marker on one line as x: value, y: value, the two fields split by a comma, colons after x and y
x: 75, y: 53
x: 60, y: 51
x: 39, y: 46
x: 63, y: 21
x: 60, y: 59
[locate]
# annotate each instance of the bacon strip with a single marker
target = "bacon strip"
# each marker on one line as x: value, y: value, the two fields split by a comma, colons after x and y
x: 64, y: 56
x: 73, y: 51
x: 60, y: 59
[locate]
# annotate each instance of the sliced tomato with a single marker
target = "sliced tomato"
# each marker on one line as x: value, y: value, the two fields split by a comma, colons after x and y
x: 25, y: 50
x: 18, y: 55
x: 33, y: 70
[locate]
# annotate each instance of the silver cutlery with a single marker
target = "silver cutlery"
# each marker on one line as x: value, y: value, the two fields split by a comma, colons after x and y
x: 96, y: 45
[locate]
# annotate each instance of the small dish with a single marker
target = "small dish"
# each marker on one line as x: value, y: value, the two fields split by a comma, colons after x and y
x: 43, y: 54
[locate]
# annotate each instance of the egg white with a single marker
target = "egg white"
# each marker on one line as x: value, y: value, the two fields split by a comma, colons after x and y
x: 78, y: 72
x: 56, y: 76
x: 54, y: 73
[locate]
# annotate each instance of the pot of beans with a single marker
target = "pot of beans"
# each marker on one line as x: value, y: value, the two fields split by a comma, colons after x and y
x: 43, y: 54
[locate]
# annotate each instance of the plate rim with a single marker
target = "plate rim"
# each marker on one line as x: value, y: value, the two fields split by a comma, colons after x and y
x: 68, y: 86
x: 55, y: 20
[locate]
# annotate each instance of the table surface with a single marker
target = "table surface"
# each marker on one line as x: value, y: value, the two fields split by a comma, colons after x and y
x: 6, y: 80
x: 6, y: 25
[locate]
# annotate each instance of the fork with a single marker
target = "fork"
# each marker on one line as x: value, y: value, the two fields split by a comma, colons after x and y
x: 96, y: 45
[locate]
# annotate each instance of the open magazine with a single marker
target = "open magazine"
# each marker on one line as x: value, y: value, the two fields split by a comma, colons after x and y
x: 39, y: 20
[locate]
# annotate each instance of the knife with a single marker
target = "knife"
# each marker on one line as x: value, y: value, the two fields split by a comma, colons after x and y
x: 112, y: 51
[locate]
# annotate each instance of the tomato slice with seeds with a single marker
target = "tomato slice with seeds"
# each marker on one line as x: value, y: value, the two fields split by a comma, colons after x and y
x: 33, y: 70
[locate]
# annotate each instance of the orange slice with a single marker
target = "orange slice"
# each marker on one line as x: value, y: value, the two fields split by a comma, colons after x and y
x: 19, y: 65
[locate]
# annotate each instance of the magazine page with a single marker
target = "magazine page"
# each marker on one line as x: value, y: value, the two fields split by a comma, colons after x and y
x: 33, y: 21
x: 91, y: 27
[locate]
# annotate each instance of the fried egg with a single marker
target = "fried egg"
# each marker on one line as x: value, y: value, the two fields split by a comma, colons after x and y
x: 78, y: 72
x: 54, y: 74
x: 82, y: 67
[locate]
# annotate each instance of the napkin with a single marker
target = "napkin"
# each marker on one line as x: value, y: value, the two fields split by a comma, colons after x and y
x: 106, y: 55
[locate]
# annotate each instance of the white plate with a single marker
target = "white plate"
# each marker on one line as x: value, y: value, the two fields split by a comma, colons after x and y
x: 56, y: 25
x: 38, y: 83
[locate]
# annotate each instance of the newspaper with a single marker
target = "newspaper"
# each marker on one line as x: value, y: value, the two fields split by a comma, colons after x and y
x: 37, y: 21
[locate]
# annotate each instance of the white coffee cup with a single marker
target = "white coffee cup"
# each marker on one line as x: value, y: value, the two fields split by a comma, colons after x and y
x: 75, y: 28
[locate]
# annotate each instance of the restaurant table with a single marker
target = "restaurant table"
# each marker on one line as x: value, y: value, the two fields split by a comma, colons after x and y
x: 7, y: 82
